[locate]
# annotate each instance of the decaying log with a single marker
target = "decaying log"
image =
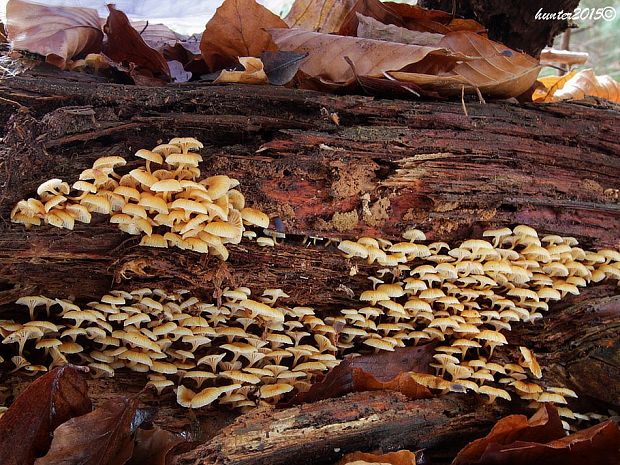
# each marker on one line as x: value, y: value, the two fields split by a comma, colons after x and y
x: 387, y: 166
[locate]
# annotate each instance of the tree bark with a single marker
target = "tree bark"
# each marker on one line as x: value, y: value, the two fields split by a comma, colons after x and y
x: 387, y: 166
x: 513, y: 23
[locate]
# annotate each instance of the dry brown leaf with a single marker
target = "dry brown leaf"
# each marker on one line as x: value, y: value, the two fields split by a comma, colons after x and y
x: 326, y: 54
x: 499, y: 72
x: 155, y: 35
x: 370, y: 28
x: 388, y: 370
x: 237, y: 30
x: 59, y: 33
x: 154, y: 446
x: 26, y: 427
x: 369, y: 8
x: 549, y: 85
x: 101, y: 437
x: 544, y: 426
x: 125, y: 46
x: 420, y: 19
x: 402, y: 457
x: 542, y: 441
x: 319, y: 15
x: 281, y: 67
x: 586, y: 84
x: 253, y: 73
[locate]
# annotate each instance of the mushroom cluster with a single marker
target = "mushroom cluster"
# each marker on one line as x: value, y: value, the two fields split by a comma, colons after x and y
x: 465, y: 298
x: 167, y: 206
x: 249, y: 350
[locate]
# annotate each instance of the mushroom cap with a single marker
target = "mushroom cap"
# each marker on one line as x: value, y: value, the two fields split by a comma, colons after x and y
x: 255, y: 217
x: 379, y: 344
x: 353, y: 249
x: 184, y: 159
x: 109, y: 162
x: 494, y: 392
x: 272, y: 390
x: 49, y: 186
x: 263, y: 310
x: 150, y: 156
x: 167, y: 185
x: 206, y: 397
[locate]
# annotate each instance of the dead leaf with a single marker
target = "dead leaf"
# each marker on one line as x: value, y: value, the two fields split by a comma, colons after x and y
x: 421, y: 19
x: 177, y: 71
x: 544, y: 426
x: 499, y: 72
x: 388, y: 370
x: 372, y: 9
x: 281, y: 67
x: 101, y: 437
x: 599, y: 444
x: 326, y: 54
x: 59, y: 33
x: 402, y: 457
x: 237, y: 30
x: 155, y: 36
x: 253, y: 73
x: 548, y: 85
x: 370, y: 28
x: 125, y: 46
x: 154, y: 446
x: 586, y: 84
x: 319, y: 15
x: 26, y: 427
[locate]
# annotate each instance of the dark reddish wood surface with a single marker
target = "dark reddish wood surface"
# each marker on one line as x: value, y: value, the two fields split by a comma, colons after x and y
x: 388, y: 166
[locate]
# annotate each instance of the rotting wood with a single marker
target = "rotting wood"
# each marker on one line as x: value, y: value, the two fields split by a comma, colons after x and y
x: 389, y: 165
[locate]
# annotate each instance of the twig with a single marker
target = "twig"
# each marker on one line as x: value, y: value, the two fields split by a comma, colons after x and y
x: 14, y: 103
x: 463, y: 101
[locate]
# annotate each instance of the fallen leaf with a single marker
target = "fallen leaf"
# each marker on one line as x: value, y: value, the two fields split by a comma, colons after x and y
x: 177, y: 71
x: 402, y: 457
x: 326, y: 54
x: 319, y: 15
x: 498, y: 72
x: 26, y: 427
x: 387, y: 370
x: 421, y: 19
x: 237, y: 30
x: 544, y: 426
x: 102, y: 437
x: 586, y: 84
x: 125, y: 46
x: 154, y: 446
x: 369, y: 8
x: 155, y: 36
x: 548, y: 85
x: 599, y: 444
x: 59, y: 33
x: 370, y: 28
x: 253, y: 73
x: 281, y: 67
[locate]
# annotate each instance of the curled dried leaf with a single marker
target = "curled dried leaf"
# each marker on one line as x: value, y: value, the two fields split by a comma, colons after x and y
x: 253, y: 73
x: 319, y: 16
x: 126, y: 46
x: 237, y: 30
x: 26, y: 428
x: 326, y: 54
x: 101, y: 437
x: 587, y: 84
x: 387, y: 370
x: 59, y: 33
